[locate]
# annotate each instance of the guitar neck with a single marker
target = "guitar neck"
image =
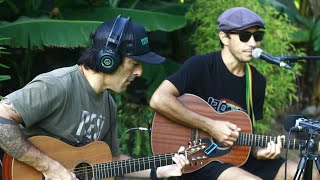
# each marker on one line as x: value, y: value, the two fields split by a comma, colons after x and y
x: 117, y: 168
x: 262, y: 141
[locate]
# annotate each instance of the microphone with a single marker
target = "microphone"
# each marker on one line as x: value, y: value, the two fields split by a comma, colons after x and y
x: 293, y: 123
x: 259, y: 54
x: 297, y: 123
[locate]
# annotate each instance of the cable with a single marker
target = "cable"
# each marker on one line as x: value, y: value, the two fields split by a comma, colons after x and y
x: 131, y: 129
x: 289, y: 133
x: 299, y: 93
x: 128, y: 130
x: 286, y: 159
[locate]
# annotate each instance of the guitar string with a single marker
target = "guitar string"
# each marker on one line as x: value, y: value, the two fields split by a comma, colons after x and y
x: 264, y: 139
x: 131, y: 162
x: 137, y: 162
x: 115, y: 164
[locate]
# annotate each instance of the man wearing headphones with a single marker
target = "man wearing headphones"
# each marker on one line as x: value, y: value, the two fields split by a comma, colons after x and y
x: 73, y: 103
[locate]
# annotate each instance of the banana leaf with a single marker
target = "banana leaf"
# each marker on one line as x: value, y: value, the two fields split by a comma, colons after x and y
x: 4, y: 77
x: 38, y: 33
x: 316, y: 37
x: 4, y: 66
x: 151, y: 20
x: 74, y: 32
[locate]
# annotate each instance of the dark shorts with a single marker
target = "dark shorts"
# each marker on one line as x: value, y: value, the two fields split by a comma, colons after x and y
x: 265, y: 169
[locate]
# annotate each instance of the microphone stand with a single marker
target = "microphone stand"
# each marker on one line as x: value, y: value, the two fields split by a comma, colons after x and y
x: 306, y: 160
x: 294, y: 59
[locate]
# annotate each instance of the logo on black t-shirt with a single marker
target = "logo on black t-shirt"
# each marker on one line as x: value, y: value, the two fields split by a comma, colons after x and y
x: 224, y: 105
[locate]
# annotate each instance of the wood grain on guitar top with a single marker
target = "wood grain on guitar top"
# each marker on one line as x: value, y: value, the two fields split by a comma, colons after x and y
x: 167, y: 136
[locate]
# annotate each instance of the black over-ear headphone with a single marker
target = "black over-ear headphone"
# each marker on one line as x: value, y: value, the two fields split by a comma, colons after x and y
x: 108, y: 59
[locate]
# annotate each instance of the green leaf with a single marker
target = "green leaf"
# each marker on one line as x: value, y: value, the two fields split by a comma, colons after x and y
x: 37, y: 33
x: 73, y: 33
x: 4, y: 66
x: 308, y: 22
x: 154, y: 79
x: 4, y: 52
x: 4, y: 77
x: 150, y: 20
x: 1, y: 39
x: 316, y: 42
x: 178, y: 9
x: 301, y: 36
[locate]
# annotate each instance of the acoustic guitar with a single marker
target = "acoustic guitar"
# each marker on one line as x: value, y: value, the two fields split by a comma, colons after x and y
x: 92, y: 161
x: 167, y: 136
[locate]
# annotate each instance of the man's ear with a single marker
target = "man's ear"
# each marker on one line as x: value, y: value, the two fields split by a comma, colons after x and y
x: 224, y: 38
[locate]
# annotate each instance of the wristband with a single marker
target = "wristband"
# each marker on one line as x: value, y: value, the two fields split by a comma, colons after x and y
x: 153, y: 174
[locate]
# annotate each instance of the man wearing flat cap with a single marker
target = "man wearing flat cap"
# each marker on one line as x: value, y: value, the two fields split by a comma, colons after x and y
x: 226, y: 81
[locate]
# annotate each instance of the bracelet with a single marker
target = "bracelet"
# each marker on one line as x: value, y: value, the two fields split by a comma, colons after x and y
x: 153, y: 174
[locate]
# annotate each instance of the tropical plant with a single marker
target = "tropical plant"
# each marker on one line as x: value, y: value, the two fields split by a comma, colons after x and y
x: 281, y: 87
x: 3, y: 77
x: 36, y: 26
x: 305, y: 14
x: 44, y: 23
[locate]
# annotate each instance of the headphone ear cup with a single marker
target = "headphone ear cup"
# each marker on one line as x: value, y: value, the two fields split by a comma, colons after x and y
x: 107, y: 62
x: 108, y: 59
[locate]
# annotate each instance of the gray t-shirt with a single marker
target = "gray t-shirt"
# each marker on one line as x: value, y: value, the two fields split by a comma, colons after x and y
x: 62, y: 104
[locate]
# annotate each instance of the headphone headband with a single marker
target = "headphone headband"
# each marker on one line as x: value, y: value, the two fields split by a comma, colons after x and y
x: 108, y: 59
x: 117, y: 30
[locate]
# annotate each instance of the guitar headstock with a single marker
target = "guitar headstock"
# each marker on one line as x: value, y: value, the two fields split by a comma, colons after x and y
x: 196, y: 152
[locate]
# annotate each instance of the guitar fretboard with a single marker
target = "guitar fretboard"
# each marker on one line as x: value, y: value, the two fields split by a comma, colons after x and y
x: 117, y: 168
x: 262, y: 141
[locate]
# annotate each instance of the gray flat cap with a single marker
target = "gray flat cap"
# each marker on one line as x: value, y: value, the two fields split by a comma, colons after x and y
x: 239, y: 18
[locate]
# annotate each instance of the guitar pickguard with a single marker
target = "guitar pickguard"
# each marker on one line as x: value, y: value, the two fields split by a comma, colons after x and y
x: 219, y: 151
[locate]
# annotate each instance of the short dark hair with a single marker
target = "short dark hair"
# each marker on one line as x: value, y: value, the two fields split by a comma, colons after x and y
x: 221, y: 44
x: 87, y: 58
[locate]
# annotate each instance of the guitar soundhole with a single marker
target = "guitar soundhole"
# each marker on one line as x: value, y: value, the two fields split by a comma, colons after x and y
x: 83, y: 171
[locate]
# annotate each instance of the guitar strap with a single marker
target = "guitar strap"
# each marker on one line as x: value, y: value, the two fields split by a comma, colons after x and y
x: 249, y: 101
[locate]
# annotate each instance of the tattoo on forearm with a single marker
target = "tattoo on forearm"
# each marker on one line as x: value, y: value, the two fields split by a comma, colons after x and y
x: 12, y: 140
x: 8, y: 105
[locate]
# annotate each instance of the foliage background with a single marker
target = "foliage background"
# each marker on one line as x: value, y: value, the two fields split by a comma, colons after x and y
x: 2, y: 76
x: 47, y: 34
x: 37, y: 26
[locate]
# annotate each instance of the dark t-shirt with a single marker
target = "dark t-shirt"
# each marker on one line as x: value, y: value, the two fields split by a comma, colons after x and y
x: 208, y: 77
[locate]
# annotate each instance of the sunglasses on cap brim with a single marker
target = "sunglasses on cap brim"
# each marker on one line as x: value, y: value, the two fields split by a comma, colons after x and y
x: 246, y: 35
